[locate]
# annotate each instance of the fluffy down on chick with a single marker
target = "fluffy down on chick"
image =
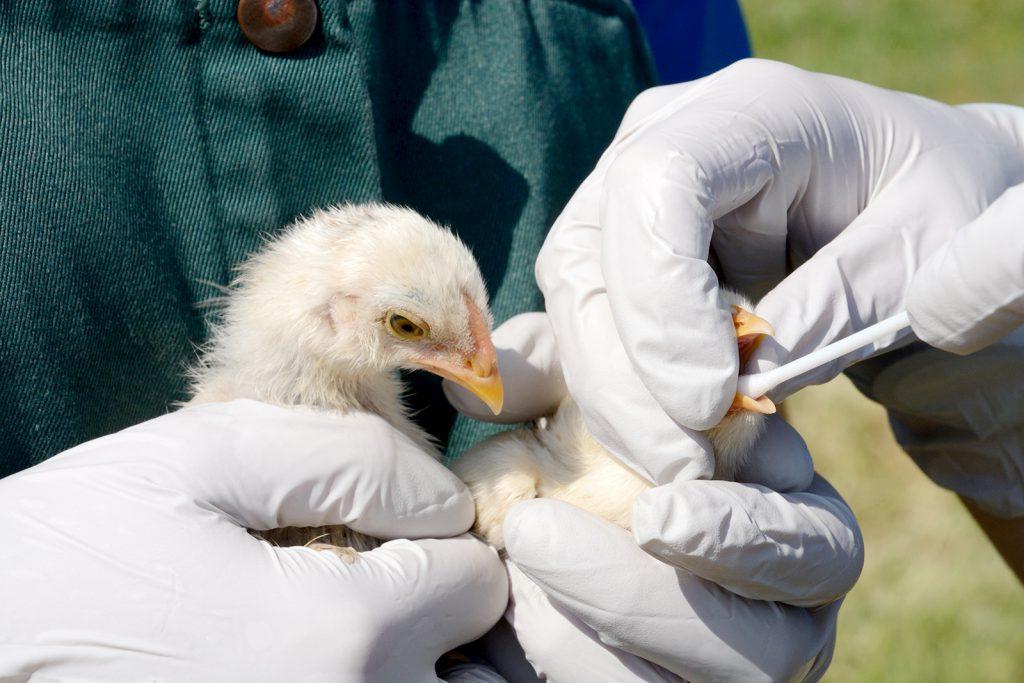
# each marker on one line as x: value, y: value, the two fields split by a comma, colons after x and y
x: 556, y: 457
x: 329, y: 312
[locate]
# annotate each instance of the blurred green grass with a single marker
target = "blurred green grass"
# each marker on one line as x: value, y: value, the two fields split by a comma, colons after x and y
x: 935, y: 601
x: 951, y: 50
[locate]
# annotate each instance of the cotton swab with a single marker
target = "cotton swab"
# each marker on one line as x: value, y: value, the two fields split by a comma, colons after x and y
x: 761, y: 383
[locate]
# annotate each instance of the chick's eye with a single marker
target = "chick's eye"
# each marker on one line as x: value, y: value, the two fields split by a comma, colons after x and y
x: 403, y: 327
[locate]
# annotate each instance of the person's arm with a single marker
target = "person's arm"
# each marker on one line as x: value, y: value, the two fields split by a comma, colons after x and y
x: 1007, y: 535
x: 128, y: 556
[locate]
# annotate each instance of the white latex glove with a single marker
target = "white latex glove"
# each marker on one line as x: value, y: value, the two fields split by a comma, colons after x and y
x: 589, y: 604
x: 970, y: 292
x: 775, y: 167
x: 127, y: 557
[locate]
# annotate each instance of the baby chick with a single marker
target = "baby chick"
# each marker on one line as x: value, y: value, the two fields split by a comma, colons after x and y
x: 329, y: 312
x: 557, y: 457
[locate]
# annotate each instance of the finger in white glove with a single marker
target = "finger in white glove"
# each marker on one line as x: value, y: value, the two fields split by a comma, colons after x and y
x: 779, y: 459
x: 128, y: 556
x: 783, y: 534
x: 560, y: 647
x: 636, y: 603
x: 970, y: 293
x: 599, y: 372
x: 530, y: 371
x: 355, y: 470
x: 800, y: 548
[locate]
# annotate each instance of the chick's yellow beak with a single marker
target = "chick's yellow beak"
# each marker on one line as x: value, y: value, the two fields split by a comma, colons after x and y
x: 477, y: 372
x: 481, y: 375
x: 482, y: 379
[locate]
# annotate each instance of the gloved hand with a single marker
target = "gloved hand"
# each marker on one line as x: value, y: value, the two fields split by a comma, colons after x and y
x: 970, y: 292
x: 776, y: 168
x: 127, y: 557
x: 960, y: 418
x: 693, y: 605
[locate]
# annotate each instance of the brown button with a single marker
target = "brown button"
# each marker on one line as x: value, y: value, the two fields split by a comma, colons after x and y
x: 277, y: 25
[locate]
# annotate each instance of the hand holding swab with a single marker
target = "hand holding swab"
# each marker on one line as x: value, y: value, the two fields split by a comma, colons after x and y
x: 762, y: 383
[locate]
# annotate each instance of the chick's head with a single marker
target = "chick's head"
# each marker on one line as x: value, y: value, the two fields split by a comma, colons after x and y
x: 365, y: 289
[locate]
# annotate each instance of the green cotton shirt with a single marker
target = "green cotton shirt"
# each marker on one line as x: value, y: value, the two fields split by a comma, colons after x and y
x: 147, y: 147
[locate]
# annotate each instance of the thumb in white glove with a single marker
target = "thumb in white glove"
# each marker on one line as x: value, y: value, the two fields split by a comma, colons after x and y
x: 970, y: 292
x: 128, y: 556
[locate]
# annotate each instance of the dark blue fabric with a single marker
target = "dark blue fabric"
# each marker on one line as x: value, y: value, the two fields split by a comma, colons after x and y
x: 692, y: 38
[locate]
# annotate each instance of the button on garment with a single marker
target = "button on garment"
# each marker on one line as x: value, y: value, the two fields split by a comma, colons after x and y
x: 277, y: 25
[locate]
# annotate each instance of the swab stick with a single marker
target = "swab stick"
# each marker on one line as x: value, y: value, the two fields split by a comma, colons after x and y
x: 762, y: 383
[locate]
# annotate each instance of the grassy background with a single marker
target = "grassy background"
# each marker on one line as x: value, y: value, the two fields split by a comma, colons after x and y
x: 935, y: 602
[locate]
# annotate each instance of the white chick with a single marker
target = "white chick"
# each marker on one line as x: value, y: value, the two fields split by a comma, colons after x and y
x: 558, y: 458
x: 329, y: 312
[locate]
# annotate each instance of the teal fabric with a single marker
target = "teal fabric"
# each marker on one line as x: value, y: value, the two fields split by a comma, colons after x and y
x: 147, y: 148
